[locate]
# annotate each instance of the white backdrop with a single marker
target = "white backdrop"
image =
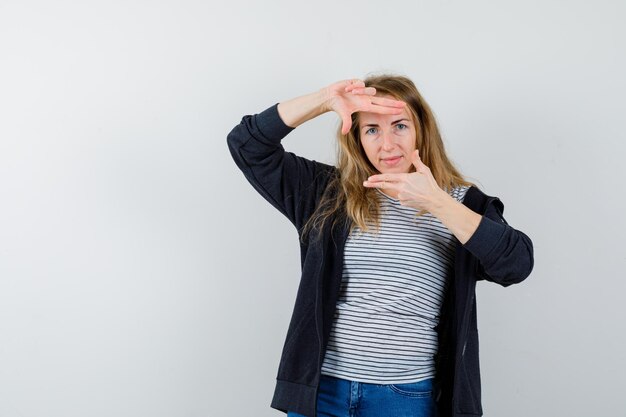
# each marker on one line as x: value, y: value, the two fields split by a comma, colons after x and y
x: 140, y: 275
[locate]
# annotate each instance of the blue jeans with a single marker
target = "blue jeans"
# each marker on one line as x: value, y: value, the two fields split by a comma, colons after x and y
x: 341, y: 398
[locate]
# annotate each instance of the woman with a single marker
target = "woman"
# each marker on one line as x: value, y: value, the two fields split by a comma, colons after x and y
x: 393, y: 241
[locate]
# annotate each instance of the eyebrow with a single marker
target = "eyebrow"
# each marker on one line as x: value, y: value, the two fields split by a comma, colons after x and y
x: 392, y: 123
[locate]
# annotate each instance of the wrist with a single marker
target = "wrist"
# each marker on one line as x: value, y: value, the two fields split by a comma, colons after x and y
x: 458, y: 218
x: 298, y: 110
x: 439, y: 202
x: 323, y: 97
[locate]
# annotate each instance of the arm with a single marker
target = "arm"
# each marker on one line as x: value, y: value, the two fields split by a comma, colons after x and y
x: 298, y: 110
x: 343, y: 97
x: 505, y: 254
x: 280, y: 177
x: 458, y: 218
x: 420, y: 190
x: 291, y: 183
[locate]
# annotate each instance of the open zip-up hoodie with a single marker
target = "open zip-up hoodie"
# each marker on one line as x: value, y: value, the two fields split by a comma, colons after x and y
x: 294, y: 185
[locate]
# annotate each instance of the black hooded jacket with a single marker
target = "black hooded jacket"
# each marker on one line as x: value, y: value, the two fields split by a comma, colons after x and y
x: 294, y: 185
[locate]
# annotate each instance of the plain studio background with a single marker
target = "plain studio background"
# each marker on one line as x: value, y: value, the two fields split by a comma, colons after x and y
x: 141, y: 275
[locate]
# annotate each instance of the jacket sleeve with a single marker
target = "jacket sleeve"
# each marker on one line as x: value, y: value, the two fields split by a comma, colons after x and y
x: 505, y: 254
x: 290, y: 183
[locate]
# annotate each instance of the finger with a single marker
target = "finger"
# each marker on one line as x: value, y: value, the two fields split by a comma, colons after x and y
x: 417, y: 161
x: 382, y: 184
x: 355, y: 83
x: 386, y: 106
x: 370, y: 91
x: 389, y: 102
x: 372, y: 108
x: 346, y: 123
x: 391, y: 178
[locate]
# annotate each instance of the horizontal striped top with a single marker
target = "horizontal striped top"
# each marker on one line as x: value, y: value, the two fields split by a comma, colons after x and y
x: 390, y: 297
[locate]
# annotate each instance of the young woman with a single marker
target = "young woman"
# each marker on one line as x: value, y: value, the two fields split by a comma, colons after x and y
x: 393, y: 240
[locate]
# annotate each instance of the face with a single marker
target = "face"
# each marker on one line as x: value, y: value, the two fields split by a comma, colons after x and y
x: 388, y: 140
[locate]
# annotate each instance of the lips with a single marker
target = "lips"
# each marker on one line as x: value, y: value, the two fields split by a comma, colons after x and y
x: 391, y: 160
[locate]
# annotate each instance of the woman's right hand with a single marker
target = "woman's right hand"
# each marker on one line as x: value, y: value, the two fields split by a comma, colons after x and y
x: 343, y: 97
x: 350, y: 96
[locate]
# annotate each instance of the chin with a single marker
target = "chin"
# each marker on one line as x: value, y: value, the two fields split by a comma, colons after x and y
x: 394, y: 170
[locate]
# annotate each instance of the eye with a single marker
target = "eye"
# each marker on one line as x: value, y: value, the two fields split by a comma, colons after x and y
x: 371, y: 131
x: 401, y: 126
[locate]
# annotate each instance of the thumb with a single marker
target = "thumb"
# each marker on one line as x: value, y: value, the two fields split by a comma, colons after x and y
x: 346, y: 121
x: 417, y: 162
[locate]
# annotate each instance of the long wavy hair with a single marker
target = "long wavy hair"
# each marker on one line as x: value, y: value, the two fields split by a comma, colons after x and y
x: 345, y: 195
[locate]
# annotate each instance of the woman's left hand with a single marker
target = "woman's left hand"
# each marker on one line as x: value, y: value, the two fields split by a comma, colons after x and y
x: 416, y: 189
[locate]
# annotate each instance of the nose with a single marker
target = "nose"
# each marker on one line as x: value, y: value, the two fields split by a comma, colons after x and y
x: 388, y: 142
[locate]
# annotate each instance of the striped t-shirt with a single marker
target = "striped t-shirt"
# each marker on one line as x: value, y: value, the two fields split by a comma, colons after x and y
x: 390, y: 298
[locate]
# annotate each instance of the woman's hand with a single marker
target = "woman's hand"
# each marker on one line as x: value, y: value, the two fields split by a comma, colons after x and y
x: 350, y: 96
x: 416, y: 189
x: 343, y: 97
x: 420, y: 190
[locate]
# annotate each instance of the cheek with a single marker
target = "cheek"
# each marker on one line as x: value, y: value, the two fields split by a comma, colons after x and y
x: 370, y: 151
x: 409, y: 141
x: 367, y: 148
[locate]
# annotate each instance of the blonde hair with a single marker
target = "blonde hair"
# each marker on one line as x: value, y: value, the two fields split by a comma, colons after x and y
x: 345, y: 194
